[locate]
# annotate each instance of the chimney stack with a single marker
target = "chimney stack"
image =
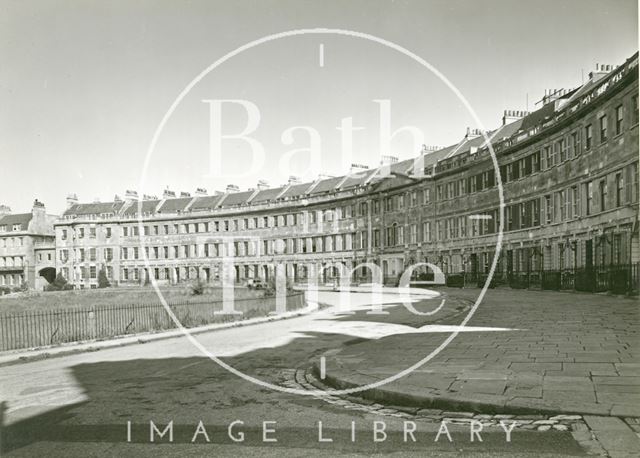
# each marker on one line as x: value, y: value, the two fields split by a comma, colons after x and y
x: 130, y: 195
x: 426, y: 149
x: 552, y: 94
x: 387, y: 160
x: 168, y: 194
x: 262, y: 184
x: 38, y: 207
x: 185, y: 194
x: 72, y: 199
x: 232, y: 188
x: 472, y: 133
x: 356, y: 168
x: 4, y: 209
x: 602, y: 69
x: 294, y: 179
x: 201, y: 192
x: 513, y: 115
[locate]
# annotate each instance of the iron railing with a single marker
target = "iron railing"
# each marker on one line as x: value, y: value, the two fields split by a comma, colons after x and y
x: 52, y: 327
x: 618, y: 279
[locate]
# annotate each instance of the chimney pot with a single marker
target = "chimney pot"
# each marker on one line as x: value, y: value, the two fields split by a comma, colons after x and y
x: 386, y: 160
x: 72, y: 199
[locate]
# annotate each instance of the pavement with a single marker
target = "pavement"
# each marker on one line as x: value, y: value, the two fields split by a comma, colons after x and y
x: 80, y: 404
x: 564, y: 353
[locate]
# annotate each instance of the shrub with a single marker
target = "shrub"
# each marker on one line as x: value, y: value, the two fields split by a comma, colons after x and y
x: 455, y: 280
x: 270, y: 286
x: 197, y: 288
x: 103, y: 281
x: 59, y: 284
x: 482, y: 279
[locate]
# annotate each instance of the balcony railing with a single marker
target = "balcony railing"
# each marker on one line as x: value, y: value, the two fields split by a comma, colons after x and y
x: 11, y: 269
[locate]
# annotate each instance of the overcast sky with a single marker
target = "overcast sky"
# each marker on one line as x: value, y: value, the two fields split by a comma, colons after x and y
x: 84, y: 84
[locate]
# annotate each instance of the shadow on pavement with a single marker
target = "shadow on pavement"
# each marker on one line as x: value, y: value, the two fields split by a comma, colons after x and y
x: 187, y: 390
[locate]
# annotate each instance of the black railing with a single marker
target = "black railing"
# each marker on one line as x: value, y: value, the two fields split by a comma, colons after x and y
x: 618, y: 279
x: 54, y: 327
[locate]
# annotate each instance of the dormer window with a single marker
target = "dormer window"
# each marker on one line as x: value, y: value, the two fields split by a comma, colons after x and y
x: 17, y: 227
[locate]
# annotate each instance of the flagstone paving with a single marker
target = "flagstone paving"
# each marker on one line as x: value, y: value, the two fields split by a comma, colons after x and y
x: 566, y: 353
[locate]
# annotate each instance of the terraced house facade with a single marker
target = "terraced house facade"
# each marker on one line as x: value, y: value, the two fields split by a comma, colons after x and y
x: 569, y: 174
x: 27, y: 248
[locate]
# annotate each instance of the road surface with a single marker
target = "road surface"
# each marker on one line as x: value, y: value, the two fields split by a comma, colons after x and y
x: 102, y: 403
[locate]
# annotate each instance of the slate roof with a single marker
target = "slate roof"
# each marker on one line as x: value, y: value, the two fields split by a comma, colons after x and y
x: 205, y: 203
x: 506, y: 131
x: 175, y: 205
x: 586, y: 87
x: 148, y: 206
x: 267, y: 194
x: 296, y: 190
x: 18, y: 218
x: 538, y: 117
x: 96, y: 208
x: 357, y: 179
x: 326, y: 185
x: 236, y: 198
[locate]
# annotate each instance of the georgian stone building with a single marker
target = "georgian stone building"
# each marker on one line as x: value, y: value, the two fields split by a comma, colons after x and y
x: 22, y: 237
x: 569, y: 174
